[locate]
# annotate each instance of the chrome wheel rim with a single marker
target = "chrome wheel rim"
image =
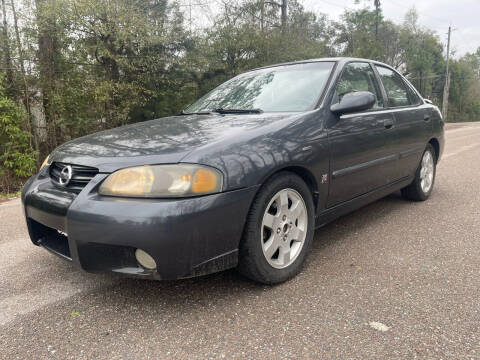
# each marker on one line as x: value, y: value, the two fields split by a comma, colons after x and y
x: 427, y: 172
x: 284, y: 228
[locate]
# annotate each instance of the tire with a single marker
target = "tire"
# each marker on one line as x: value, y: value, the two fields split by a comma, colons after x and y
x: 277, y: 238
x: 421, y: 188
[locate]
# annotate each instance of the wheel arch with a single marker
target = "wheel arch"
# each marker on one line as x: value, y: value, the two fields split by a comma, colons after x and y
x: 305, y: 174
x: 436, y: 146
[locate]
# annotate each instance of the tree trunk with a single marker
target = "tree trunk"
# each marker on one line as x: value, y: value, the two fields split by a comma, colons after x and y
x: 25, y: 82
x: 284, y: 15
x: 46, y: 56
x: 6, y: 53
x: 262, y: 15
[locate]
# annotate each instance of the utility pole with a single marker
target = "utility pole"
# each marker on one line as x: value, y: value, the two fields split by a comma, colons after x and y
x: 377, y: 16
x: 447, y: 79
x: 190, y: 10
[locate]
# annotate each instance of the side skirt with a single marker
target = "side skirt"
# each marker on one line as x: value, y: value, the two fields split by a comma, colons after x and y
x: 346, y: 207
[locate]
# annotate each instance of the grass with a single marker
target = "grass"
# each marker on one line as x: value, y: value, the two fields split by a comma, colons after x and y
x: 4, y: 196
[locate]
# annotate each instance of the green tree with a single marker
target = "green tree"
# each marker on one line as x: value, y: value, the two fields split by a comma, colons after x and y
x: 422, y: 53
x: 17, y: 157
x: 79, y: 66
x: 464, y: 104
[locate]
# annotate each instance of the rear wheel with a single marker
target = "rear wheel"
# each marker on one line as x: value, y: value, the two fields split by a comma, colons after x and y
x: 422, y: 186
x: 279, y: 230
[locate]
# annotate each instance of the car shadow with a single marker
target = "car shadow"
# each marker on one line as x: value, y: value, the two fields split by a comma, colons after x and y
x: 357, y: 220
x: 228, y: 285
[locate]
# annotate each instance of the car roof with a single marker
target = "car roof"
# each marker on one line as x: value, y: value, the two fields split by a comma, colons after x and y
x: 331, y: 59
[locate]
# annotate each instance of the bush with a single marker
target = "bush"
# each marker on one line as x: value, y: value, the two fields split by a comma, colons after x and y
x: 17, y: 157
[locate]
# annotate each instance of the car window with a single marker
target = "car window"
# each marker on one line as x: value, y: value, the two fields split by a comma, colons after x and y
x: 358, y: 76
x: 413, y: 96
x: 398, y: 93
x: 295, y: 87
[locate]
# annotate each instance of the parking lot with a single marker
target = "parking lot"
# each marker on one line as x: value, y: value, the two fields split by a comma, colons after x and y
x: 414, y: 268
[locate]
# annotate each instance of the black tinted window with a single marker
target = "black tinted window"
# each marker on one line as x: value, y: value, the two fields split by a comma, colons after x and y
x: 358, y: 77
x: 398, y: 93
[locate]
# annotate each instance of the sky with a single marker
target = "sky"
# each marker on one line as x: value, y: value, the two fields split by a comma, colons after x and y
x: 437, y: 15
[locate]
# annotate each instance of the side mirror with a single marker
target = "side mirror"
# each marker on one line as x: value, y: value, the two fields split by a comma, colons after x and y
x: 353, y: 102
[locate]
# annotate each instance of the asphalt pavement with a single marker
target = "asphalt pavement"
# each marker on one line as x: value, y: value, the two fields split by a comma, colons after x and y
x: 393, y: 280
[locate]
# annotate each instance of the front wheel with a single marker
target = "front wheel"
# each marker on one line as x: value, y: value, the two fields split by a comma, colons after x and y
x: 422, y: 185
x: 279, y: 230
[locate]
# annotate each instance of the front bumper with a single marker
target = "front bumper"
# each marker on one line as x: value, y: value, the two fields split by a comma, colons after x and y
x: 186, y: 237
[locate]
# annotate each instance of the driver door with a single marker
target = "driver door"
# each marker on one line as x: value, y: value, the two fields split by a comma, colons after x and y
x: 358, y: 155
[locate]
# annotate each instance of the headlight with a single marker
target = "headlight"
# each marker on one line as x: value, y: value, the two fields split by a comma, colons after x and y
x: 163, y: 181
x: 45, y: 162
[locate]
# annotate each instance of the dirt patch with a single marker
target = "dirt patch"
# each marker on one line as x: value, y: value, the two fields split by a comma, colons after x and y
x: 2, y: 200
x: 450, y: 126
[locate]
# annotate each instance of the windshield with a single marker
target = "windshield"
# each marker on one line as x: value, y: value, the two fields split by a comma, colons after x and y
x: 282, y: 88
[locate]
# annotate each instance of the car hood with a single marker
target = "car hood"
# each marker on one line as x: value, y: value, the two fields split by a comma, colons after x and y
x: 165, y: 140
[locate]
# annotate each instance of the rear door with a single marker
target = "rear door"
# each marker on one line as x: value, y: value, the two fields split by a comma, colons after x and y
x: 412, y: 124
x: 357, y: 141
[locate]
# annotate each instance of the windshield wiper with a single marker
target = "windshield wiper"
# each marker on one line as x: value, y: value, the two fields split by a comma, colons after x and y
x: 208, y: 112
x: 225, y: 111
x: 238, y: 111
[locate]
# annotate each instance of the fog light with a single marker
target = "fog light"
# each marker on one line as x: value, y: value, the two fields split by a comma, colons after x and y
x: 145, y: 260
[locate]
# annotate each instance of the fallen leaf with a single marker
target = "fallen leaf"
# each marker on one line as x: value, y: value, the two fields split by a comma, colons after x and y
x: 379, y: 326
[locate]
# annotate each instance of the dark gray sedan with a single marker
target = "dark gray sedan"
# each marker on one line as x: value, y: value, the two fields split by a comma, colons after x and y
x: 242, y: 177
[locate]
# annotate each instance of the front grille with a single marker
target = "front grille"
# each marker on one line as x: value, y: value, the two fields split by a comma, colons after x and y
x: 81, y: 175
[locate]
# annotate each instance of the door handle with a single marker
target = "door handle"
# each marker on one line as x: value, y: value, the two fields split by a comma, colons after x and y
x: 426, y: 117
x: 388, y: 123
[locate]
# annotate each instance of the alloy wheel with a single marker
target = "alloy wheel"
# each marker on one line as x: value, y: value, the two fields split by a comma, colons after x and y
x: 427, y: 172
x: 284, y: 228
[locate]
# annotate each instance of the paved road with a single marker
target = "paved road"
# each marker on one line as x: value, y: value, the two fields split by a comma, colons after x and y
x: 413, y: 267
